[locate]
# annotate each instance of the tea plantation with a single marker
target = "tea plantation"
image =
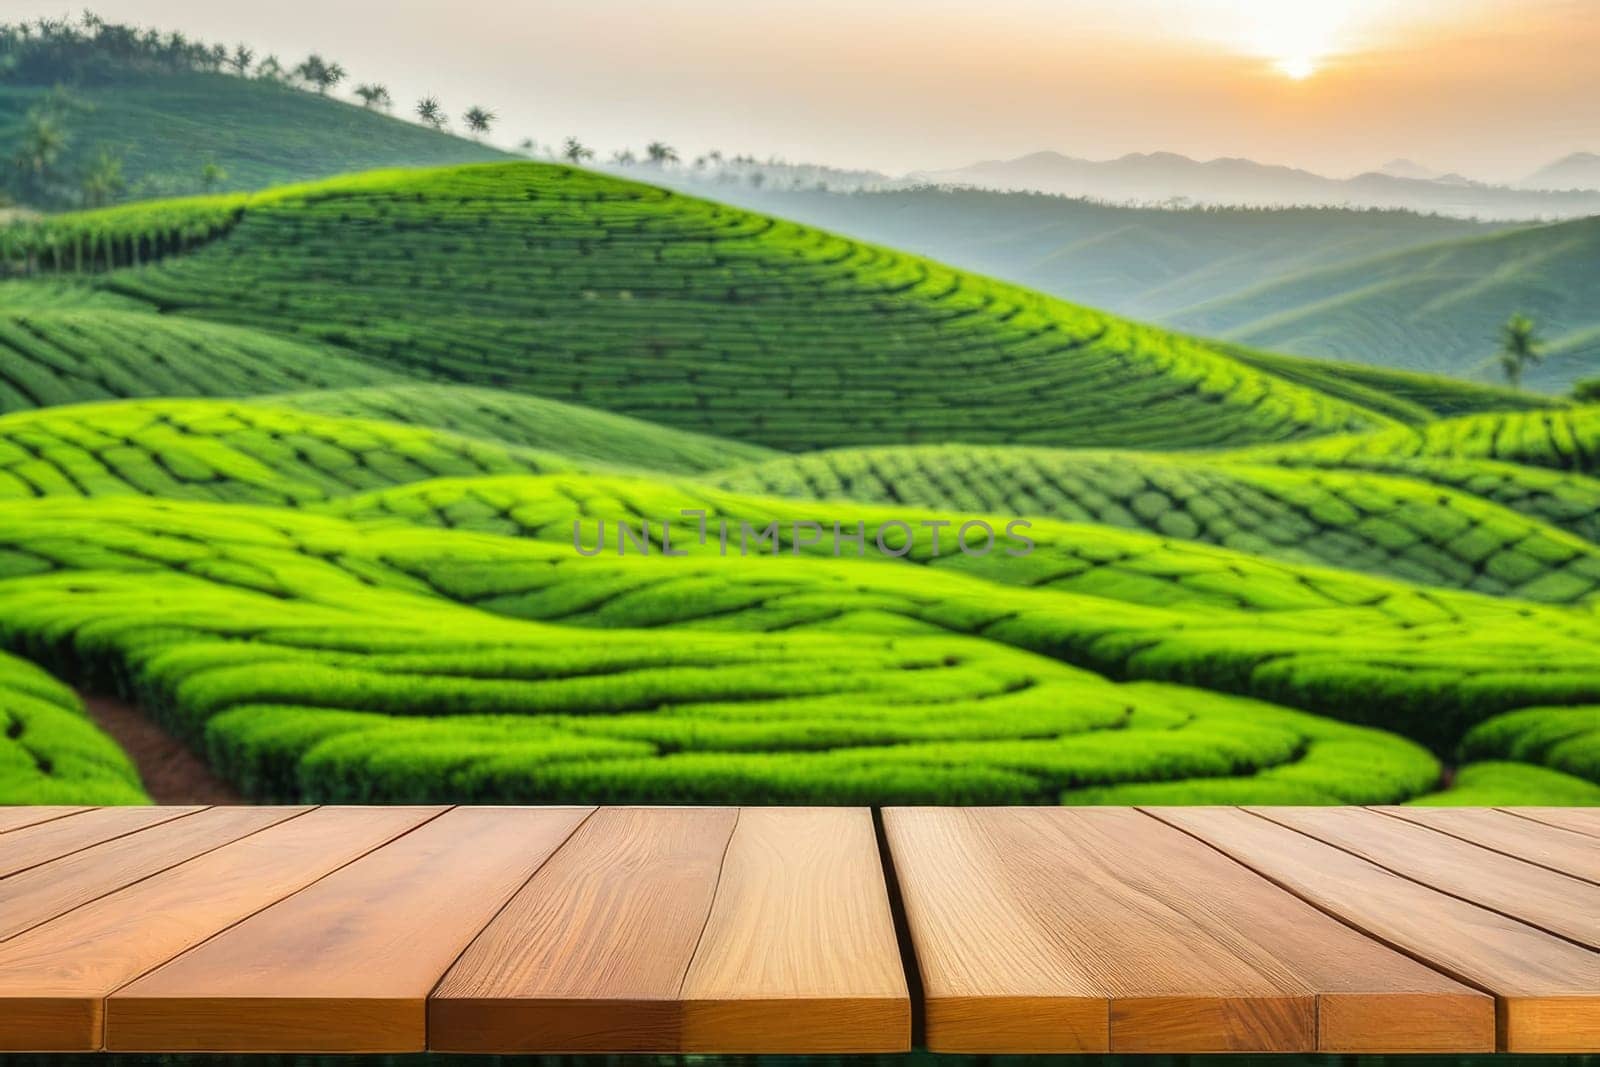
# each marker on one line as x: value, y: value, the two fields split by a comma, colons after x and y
x: 1356, y: 519
x: 620, y: 296
x: 371, y: 503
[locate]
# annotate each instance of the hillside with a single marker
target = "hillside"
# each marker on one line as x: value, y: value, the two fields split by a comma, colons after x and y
x: 592, y: 290
x: 1181, y: 266
x: 134, y: 113
x: 1437, y: 309
x: 1143, y: 262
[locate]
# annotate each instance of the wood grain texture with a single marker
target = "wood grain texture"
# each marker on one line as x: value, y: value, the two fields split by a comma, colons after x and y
x: 51, y: 889
x: 1191, y: 951
x: 1568, y: 907
x: 55, y: 977
x: 17, y: 818
x: 591, y: 954
x: 995, y: 977
x: 61, y: 837
x: 1547, y: 988
x: 346, y: 964
x: 1578, y: 820
x: 1561, y: 850
x: 799, y: 953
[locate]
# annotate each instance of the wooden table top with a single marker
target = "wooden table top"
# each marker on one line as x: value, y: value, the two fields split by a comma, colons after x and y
x: 799, y: 930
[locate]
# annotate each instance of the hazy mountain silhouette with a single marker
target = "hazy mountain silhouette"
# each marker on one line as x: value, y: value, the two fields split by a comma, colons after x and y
x: 1165, y: 177
x: 1581, y: 170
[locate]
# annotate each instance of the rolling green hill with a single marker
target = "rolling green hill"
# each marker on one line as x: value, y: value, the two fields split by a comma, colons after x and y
x: 1437, y: 308
x: 136, y: 113
x: 1144, y: 262
x: 588, y: 289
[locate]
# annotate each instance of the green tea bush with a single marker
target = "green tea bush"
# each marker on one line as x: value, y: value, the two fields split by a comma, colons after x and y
x: 50, y: 753
x: 1564, y: 738
x: 69, y: 355
x: 229, y: 451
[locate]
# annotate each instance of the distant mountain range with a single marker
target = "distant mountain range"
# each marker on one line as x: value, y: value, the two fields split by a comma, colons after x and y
x: 1167, y: 177
x: 1581, y: 170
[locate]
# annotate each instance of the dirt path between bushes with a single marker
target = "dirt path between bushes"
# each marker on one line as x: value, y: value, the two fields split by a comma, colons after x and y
x: 172, y: 774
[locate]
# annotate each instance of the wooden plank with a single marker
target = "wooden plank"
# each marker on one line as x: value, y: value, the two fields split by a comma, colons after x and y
x: 1578, y: 820
x: 591, y: 954
x: 1568, y: 907
x: 1191, y: 951
x: 55, y: 977
x: 61, y: 837
x: 54, y: 888
x: 346, y: 964
x: 17, y: 818
x: 1548, y: 989
x: 1561, y: 850
x: 1005, y: 985
x: 799, y: 954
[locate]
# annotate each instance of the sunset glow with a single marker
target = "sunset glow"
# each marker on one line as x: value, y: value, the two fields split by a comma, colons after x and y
x: 1490, y: 88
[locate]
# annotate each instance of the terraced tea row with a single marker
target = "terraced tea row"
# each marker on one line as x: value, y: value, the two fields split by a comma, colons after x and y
x: 228, y: 451
x: 586, y: 288
x: 578, y: 433
x: 1125, y: 605
x: 50, y: 753
x: 1567, y: 439
x: 396, y: 697
x: 1565, y: 738
x: 1358, y: 520
x: 71, y: 355
x: 259, y: 453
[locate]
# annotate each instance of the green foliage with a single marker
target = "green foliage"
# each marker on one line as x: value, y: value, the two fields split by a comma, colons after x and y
x: 1567, y: 439
x: 1403, y: 528
x: 1566, y: 739
x: 1436, y: 308
x: 163, y: 125
x: 578, y: 433
x: 234, y: 452
x: 50, y: 753
x: 589, y: 289
x: 64, y: 345
x: 1493, y: 784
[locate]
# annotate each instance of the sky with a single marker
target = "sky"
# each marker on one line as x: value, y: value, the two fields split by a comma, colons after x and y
x: 1490, y: 88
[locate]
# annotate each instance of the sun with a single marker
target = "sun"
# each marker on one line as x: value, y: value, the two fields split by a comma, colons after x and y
x: 1296, y: 68
x: 1292, y: 38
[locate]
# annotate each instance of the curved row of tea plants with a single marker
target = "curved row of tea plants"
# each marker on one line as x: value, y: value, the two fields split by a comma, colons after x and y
x: 70, y: 355
x: 50, y: 753
x: 578, y: 433
x: 389, y: 696
x: 590, y: 289
x: 1426, y: 663
x: 1357, y: 520
x: 231, y: 451
x: 1564, y: 439
x: 1565, y: 738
